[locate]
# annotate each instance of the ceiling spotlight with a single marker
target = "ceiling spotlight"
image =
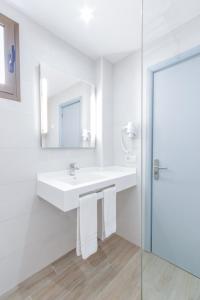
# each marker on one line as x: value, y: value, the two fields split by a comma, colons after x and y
x: 87, y: 14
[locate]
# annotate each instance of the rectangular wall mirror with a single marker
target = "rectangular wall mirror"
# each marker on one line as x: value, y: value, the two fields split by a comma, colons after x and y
x: 68, y: 109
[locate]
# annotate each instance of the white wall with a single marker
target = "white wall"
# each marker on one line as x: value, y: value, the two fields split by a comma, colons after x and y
x: 127, y: 107
x: 182, y: 39
x: 104, y: 112
x: 107, y: 109
x: 32, y: 233
x: 119, y: 101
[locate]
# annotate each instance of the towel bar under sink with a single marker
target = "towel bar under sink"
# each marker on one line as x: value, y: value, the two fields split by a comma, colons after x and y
x: 98, y: 192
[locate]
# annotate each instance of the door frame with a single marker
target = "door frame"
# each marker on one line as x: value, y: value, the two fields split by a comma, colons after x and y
x: 63, y: 105
x: 149, y: 138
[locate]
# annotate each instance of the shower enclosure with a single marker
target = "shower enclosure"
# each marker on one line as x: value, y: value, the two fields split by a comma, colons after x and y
x: 171, y: 150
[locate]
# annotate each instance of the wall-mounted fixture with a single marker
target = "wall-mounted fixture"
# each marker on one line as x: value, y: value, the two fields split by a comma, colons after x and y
x: 129, y: 131
x: 86, y: 135
x: 44, y: 106
x: 93, y: 115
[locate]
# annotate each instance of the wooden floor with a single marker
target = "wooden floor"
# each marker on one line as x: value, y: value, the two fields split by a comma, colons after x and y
x: 113, y: 273
x: 164, y: 281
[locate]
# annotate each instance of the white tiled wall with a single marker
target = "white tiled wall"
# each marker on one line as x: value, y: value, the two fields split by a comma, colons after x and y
x: 32, y: 233
x: 107, y: 108
x: 104, y: 112
x: 127, y: 107
x: 119, y: 99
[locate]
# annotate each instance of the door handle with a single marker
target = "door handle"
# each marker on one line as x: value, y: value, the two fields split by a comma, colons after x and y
x: 157, y: 168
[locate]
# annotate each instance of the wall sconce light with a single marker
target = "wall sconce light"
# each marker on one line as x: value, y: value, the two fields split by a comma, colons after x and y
x: 44, y: 105
x: 86, y: 135
x: 93, y: 115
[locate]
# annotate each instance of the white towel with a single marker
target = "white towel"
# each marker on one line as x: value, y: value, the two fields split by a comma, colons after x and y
x: 109, y: 212
x: 86, y: 243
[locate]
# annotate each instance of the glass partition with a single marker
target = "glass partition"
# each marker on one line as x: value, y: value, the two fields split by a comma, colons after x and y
x: 2, y: 55
x: 171, y: 150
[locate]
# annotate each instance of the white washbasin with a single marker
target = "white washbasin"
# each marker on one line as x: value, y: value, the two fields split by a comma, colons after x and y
x: 63, y: 191
x: 81, y: 178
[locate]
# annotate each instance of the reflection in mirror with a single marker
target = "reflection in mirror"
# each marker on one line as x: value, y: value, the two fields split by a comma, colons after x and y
x: 67, y: 110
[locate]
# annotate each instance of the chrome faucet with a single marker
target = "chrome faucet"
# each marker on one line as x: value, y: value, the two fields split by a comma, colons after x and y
x: 72, y: 168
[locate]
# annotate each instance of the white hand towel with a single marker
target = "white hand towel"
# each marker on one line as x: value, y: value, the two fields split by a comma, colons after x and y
x: 109, y: 212
x: 86, y: 243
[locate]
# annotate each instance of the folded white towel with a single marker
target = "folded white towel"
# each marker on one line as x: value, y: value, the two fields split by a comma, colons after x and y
x: 86, y: 243
x: 109, y: 212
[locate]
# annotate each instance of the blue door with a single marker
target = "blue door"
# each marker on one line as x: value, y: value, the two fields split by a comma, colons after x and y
x: 176, y: 149
x: 70, y: 124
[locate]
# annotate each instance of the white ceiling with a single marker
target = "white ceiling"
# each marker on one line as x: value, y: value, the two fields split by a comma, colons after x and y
x: 116, y: 27
x: 115, y: 30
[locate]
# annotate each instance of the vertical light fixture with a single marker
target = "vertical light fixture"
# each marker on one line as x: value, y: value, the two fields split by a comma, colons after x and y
x: 44, y: 106
x: 93, y: 115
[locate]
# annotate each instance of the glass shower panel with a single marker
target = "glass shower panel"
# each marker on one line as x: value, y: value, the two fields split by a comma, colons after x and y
x: 171, y: 156
x: 2, y: 56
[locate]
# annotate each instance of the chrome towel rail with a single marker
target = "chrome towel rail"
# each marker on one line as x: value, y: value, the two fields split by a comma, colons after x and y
x: 99, y: 192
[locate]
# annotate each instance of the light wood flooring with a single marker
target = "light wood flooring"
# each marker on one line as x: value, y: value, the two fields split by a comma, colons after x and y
x: 164, y: 281
x: 113, y: 273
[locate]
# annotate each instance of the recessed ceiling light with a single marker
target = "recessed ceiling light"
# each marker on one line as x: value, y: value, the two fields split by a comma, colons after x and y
x: 87, y: 14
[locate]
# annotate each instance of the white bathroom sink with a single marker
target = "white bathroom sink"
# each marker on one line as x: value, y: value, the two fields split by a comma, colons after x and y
x: 63, y: 191
x: 81, y: 178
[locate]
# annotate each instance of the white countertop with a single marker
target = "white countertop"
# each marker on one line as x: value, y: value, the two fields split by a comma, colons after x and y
x: 63, y: 191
